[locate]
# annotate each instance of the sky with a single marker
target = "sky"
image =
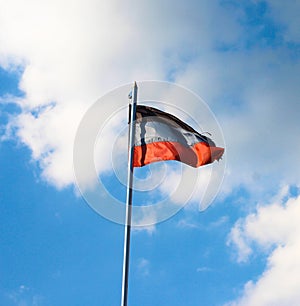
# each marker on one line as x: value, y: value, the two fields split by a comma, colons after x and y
x: 57, y: 58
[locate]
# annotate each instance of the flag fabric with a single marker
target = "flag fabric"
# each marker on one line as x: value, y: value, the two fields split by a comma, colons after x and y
x: 161, y: 136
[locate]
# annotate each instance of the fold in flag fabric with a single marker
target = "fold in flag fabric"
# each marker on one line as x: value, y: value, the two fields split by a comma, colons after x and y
x: 161, y: 136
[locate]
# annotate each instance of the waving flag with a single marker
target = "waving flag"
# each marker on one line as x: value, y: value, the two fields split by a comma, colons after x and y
x: 161, y: 136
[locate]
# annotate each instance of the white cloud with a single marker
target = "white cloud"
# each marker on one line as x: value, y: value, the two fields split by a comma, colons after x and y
x: 73, y: 52
x: 186, y: 185
x: 256, y: 96
x: 145, y: 217
x: 203, y: 269
x: 274, y: 229
x: 187, y: 224
x: 25, y: 296
x: 143, y: 267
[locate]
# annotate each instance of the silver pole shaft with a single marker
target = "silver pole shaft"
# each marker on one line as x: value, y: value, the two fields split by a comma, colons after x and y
x: 129, y: 198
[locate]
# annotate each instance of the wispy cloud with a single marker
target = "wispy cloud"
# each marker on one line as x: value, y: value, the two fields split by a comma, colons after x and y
x: 184, y: 223
x: 25, y: 296
x: 203, y: 269
x: 190, y: 223
x: 143, y: 267
x: 144, y: 218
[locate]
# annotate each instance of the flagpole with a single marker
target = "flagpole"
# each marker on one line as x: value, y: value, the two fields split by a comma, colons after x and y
x: 127, y: 231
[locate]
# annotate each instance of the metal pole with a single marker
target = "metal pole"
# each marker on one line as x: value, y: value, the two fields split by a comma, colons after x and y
x: 129, y: 198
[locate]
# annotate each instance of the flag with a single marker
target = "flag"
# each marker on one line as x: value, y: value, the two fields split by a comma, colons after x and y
x: 161, y: 136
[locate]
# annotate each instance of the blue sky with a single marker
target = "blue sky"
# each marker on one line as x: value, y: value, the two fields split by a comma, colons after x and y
x: 56, y: 59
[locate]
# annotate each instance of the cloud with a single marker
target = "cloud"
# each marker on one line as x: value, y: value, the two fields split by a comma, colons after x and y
x: 72, y: 52
x: 203, y: 269
x: 257, y: 107
x: 252, y: 87
x: 68, y: 53
x: 25, y: 296
x: 275, y: 230
x: 187, y: 224
x: 191, y: 187
x: 146, y: 218
x: 143, y: 267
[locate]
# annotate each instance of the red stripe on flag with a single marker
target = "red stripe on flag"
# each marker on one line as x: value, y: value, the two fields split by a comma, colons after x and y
x: 199, y: 154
